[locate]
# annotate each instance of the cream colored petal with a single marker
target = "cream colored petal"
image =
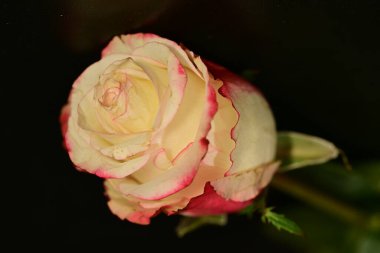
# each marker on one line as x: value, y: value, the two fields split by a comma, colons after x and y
x: 143, y: 105
x: 179, y: 176
x: 185, y: 167
x: 127, y: 44
x: 170, y: 83
x: 157, y: 75
x: 126, y: 209
x: 221, y: 142
x: 217, y: 160
x: 255, y: 133
x: 153, y: 51
x: 179, y: 200
x: 183, y: 128
x: 174, y: 95
x: 161, y: 160
x: 189, y: 102
x: 123, y: 151
x: 101, y: 141
x: 86, y: 157
x: 245, y: 185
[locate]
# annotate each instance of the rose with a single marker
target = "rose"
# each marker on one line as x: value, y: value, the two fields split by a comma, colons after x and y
x: 168, y: 131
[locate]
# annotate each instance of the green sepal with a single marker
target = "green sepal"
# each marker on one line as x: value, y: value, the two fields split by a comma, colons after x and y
x: 297, y: 150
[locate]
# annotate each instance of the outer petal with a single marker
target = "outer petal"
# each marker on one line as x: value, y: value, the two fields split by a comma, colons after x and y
x: 178, y: 177
x: 255, y: 138
x: 126, y: 209
x: 210, y: 203
x: 245, y: 185
x: 126, y: 44
x: 63, y: 119
x: 221, y: 142
x: 255, y: 133
x: 180, y: 200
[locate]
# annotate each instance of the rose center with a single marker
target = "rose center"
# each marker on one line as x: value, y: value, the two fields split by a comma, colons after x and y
x: 110, y: 96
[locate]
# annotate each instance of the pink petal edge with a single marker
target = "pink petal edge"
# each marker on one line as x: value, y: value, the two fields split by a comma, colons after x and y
x: 211, y: 203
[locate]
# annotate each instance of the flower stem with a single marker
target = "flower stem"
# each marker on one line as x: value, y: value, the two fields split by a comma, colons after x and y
x: 320, y: 200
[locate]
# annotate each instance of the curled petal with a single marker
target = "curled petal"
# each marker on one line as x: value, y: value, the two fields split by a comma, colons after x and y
x: 210, y: 203
x: 173, y: 97
x: 191, y: 117
x: 126, y: 209
x: 255, y: 133
x: 175, y: 179
x: 245, y: 185
x: 126, y: 44
x: 179, y: 200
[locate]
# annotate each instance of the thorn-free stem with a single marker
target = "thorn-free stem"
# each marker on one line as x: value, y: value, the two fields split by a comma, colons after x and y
x: 320, y: 200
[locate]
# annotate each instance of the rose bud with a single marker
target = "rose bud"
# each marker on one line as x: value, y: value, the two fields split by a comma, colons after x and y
x: 170, y: 132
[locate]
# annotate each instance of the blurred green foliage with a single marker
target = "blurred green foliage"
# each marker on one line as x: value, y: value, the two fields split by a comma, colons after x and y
x: 326, y: 232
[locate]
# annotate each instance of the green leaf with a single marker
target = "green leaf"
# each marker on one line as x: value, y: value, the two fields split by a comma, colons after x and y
x: 296, y: 150
x: 280, y: 221
x: 189, y: 224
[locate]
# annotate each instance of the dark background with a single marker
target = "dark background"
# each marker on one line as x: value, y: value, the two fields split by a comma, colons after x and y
x: 315, y: 61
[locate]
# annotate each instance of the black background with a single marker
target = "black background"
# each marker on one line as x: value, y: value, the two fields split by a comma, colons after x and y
x: 316, y: 62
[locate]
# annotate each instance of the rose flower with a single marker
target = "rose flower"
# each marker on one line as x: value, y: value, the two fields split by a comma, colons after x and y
x: 168, y: 131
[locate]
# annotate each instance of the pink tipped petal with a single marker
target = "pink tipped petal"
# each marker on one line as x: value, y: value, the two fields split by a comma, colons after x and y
x: 210, y: 203
x: 122, y: 170
x: 142, y: 217
x: 126, y: 209
x: 182, y: 152
x: 84, y: 156
x: 127, y: 43
x: 255, y: 133
x: 221, y: 142
x: 212, y: 101
x: 161, y: 160
x: 116, y: 45
x: 180, y: 199
x: 64, y: 117
x: 177, y: 83
x: 155, y: 70
x: 178, y: 177
x: 245, y: 185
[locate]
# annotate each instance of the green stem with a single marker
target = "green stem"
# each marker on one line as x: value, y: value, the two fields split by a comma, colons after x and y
x: 319, y: 200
